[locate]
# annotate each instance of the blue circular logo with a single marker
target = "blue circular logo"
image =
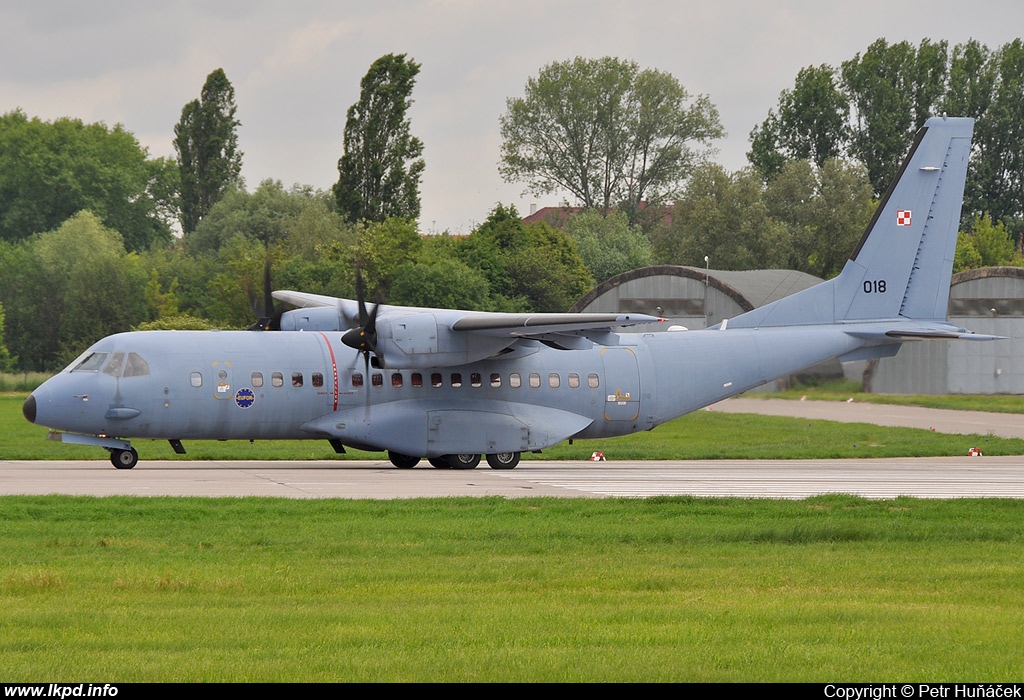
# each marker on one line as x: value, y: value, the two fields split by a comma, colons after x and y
x: 245, y: 398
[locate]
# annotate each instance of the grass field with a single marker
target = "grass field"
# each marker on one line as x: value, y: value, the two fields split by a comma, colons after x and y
x: 663, y: 589
x: 832, y: 588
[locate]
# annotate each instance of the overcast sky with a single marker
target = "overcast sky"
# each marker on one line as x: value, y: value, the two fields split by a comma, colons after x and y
x: 296, y: 67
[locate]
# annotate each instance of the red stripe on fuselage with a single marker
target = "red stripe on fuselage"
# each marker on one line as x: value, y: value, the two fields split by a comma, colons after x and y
x: 334, y: 368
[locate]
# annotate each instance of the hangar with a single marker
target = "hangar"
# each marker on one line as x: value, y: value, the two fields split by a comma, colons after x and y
x: 987, y: 300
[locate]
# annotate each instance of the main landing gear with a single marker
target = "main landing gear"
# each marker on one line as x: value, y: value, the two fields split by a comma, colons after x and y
x: 499, y: 460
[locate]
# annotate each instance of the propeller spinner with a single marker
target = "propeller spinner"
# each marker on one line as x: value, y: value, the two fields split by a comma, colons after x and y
x: 364, y: 336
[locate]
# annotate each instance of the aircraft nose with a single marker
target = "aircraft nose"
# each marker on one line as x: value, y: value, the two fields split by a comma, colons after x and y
x: 29, y: 408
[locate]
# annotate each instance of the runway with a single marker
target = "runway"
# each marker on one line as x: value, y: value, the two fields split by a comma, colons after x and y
x: 944, y: 477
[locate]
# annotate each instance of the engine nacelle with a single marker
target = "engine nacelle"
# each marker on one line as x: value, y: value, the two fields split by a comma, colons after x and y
x: 314, y: 318
x: 419, y: 341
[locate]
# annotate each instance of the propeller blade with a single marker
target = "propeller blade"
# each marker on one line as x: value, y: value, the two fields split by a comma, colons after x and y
x: 364, y: 337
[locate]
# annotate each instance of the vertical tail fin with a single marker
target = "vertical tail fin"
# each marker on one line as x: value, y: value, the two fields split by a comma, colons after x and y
x: 903, y: 263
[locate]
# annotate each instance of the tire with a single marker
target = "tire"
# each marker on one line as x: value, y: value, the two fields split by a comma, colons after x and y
x: 463, y: 461
x: 403, y: 461
x: 124, y: 459
x: 503, y: 460
x: 439, y: 462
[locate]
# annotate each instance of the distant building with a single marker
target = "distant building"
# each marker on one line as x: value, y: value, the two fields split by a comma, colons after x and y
x: 990, y: 301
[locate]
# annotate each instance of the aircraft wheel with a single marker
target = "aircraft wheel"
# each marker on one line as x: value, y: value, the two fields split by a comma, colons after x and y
x: 403, y: 461
x: 463, y: 461
x: 124, y: 459
x: 503, y: 460
x: 439, y: 462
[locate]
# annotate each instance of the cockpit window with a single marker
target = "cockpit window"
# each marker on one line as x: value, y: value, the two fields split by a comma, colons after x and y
x: 92, y: 362
x: 115, y: 365
x: 135, y: 366
x: 131, y: 366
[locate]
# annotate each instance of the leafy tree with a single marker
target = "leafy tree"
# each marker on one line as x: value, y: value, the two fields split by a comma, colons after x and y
x: 992, y: 241
x: 722, y: 216
x: 81, y: 282
x: 999, y: 136
x: 605, y: 131
x: 894, y: 89
x: 967, y: 256
x: 824, y: 209
x: 608, y: 245
x: 380, y: 249
x: 811, y: 123
x: 441, y: 283
x: 379, y: 173
x: 6, y: 361
x: 49, y: 171
x: 207, y: 144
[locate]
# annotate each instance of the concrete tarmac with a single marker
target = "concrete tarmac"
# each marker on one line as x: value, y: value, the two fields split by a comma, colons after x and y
x: 1006, y: 425
x: 946, y: 477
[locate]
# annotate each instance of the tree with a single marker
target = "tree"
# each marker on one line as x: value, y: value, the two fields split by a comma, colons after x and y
x: 722, y: 216
x: 208, y: 157
x: 80, y: 280
x: 49, y: 171
x: 894, y: 89
x: 824, y: 209
x: 608, y: 245
x: 6, y: 362
x: 606, y: 132
x: 379, y: 173
x: 811, y: 123
x: 999, y: 139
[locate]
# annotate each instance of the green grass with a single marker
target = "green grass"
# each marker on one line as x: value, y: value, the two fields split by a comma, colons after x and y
x: 700, y: 435
x: 844, y: 390
x: 832, y: 588
x: 24, y: 382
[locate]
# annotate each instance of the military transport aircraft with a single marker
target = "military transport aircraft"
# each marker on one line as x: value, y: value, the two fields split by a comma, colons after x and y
x: 450, y: 386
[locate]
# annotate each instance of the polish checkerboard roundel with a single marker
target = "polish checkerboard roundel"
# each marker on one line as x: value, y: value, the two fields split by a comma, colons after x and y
x: 903, y: 217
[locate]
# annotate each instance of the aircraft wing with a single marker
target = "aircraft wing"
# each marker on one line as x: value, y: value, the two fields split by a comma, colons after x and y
x: 527, y: 325
x: 508, y: 325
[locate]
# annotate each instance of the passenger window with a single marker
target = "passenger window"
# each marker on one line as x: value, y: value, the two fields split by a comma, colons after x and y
x: 593, y: 381
x: 534, y: 380
x: 456, y: 379
x: 317, y: 379
x: 436, y: 380
x: 396, y: 380
x: 277, y: 379
x: 296, y: 378
x: 417, y: 379
x: 474, y: 379
x: 256, y: 379
x: 113, y: 367
x: 554, y: 381
x: 377, y: 379
x: 357, y: 379
x: 195, y: 379
x: 574, y: 380
x: 514, y: 380
x: 495, y: 380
